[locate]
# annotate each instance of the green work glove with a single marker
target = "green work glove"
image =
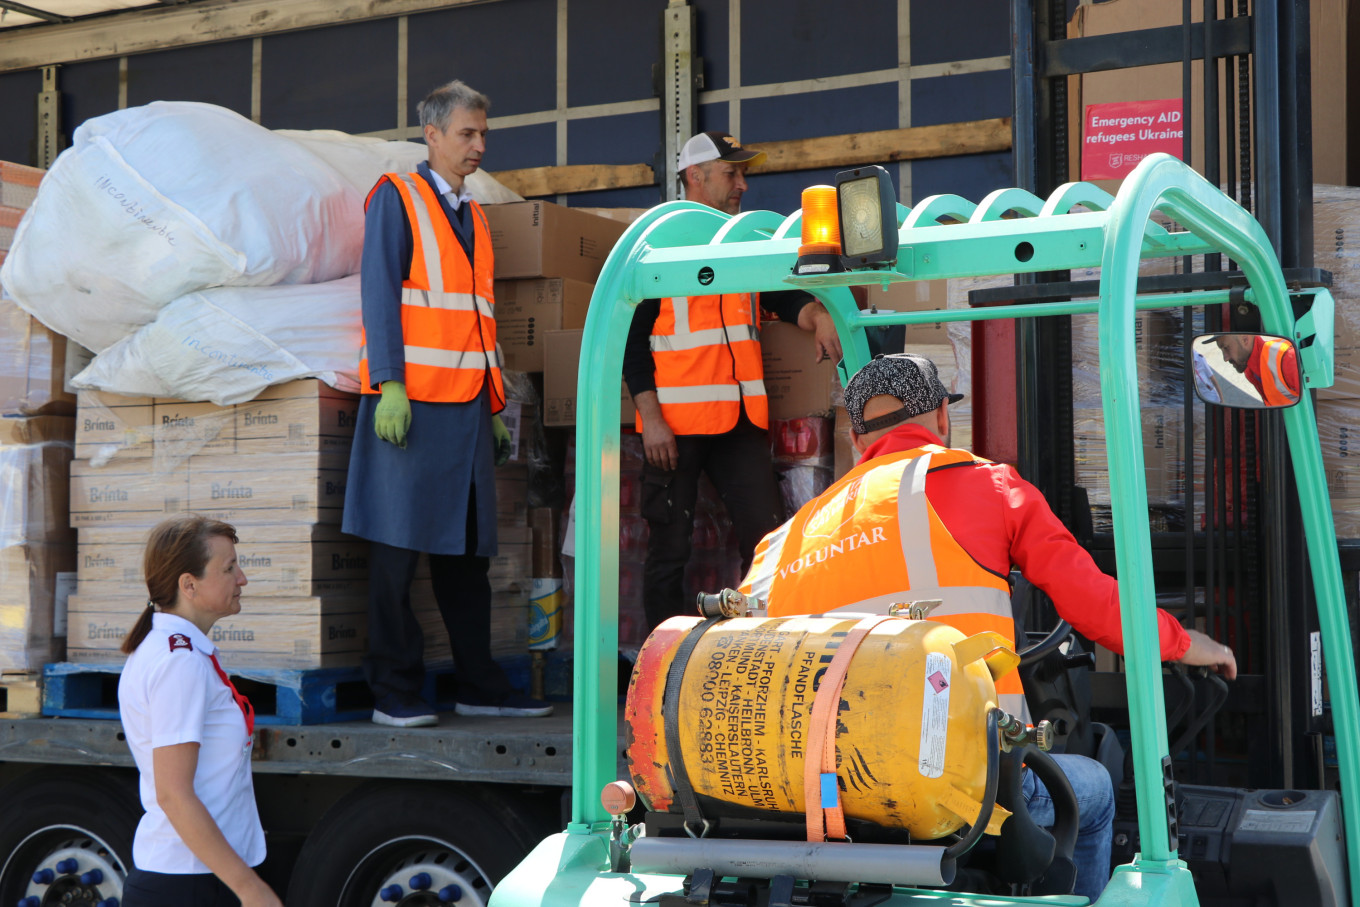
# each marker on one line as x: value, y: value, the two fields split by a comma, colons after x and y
x: 501, y: 435
x: 392, y: 418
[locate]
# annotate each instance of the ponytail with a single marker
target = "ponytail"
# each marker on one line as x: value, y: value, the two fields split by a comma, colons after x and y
x: 139, y: 630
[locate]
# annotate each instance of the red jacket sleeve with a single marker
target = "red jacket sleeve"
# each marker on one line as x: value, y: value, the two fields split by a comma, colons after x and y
x: 1050, y: 557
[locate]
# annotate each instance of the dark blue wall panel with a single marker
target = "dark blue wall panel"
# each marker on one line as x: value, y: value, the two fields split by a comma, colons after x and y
x: 612, y: 46
x: 971, y: 176
x: 865, y: 109
x: 516, y: 147
x: 960, y: 98
x: 790, y: 40
x: 214, y: 74
x: 783, y: 192
x: 343, y: 77
x: 87, y: 90
x: 507, y: 51
x: 959, y: 30
x: 711, y: 17
x: 19, y: 114
x: 714, y: 118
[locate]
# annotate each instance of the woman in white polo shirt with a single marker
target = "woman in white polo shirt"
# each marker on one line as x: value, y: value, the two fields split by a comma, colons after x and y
x: 190, y: 731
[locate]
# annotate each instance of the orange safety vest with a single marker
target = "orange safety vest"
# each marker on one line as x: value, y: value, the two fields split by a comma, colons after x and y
x: 1275, y: 391
x: 707, y: 355
x: 873, y: 540
x: 448, y: 322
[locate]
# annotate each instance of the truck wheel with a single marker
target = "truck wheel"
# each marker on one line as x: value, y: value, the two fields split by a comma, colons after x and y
x: 413, y: 845
x: 66, y: 840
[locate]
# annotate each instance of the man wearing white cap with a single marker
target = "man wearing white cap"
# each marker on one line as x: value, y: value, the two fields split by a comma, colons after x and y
x: 693, y: 366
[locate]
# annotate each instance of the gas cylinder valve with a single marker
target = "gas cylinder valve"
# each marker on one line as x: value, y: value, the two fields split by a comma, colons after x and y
x: 1015, y: 732
x: 728, y: 603
x: 918, y: 610
x: 618, y: 799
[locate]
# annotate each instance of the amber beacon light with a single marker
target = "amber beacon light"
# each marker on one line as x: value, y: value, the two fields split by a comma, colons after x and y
x: 820, y: 252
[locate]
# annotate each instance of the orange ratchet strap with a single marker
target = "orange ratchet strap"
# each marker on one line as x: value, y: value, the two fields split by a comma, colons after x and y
x: 819, y: 762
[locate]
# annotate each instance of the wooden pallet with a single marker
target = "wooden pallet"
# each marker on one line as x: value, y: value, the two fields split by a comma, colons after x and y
x: 20, y: 695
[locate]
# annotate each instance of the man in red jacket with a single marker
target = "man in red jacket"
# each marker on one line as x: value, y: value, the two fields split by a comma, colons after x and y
x: 917, y: 519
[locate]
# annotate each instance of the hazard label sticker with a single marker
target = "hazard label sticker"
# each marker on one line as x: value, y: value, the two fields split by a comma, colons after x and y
x: 935, y: 715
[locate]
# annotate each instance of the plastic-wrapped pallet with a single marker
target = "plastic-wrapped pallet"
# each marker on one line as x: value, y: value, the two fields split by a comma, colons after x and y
x: 37, y: 550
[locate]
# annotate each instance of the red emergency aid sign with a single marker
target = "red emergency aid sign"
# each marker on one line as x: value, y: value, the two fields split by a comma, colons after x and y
x: 1115, y: 137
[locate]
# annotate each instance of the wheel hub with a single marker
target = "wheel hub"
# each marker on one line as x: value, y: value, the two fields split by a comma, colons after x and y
x: 435, y: 875
x: 79, y: 871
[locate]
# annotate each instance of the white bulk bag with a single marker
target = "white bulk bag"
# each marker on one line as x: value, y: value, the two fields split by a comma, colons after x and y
x: 362, y: 159
x: 154, y: 202
x: 227, y: 344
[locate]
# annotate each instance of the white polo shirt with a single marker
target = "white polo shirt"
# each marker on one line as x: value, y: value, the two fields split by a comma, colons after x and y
x: 170, y: 693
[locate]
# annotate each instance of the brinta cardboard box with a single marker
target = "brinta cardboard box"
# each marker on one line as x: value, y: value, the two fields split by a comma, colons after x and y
x: 283, y: 488
x: 112, y: 425
x: 540, y: 239
x: 268, y: 633
x: 288, y: 559
x: 126, y: 493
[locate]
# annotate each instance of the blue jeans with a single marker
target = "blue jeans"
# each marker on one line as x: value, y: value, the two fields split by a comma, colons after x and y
x: 1095, y: 801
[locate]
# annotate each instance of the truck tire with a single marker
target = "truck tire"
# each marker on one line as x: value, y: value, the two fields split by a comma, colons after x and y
x: 72, y: 823
x: 388, y: 833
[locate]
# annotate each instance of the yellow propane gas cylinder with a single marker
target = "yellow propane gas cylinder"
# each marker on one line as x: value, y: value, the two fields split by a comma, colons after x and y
x: 911, y: 731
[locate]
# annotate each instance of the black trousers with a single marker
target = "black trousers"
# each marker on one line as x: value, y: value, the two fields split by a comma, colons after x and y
x: 395, y: 663
x: 739, y: 465
x: 160, y: 889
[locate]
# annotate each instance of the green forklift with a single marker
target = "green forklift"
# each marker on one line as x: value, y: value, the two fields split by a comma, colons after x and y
x: 1304, y: 847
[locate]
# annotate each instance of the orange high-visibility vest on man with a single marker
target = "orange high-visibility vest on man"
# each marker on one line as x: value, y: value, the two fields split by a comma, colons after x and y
x: 708, y: 364
x: 873, y: 540
x: 1270, y: 366
x: 448, y: 322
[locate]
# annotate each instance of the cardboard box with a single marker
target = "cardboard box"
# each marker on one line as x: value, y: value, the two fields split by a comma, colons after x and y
x: 283, y: 488
x: 181, y: 430
x: 35, y: 581
x: 279, y: 560
x: 19, y: 184
x: 540, y: 239
x: 32, y: 366
x: 562, y: 362
x: 914, y: 296
x: 1163, y: 454
x: 34, y: 492
x: 110, y: 425
x: 268, y: 633
x: 36, y: 429
x: 9, y: 223
x: 300, y: 416
x: 526, y: 309
x: 126, y: 493
x: 843, y: 447
x: 794, y: 384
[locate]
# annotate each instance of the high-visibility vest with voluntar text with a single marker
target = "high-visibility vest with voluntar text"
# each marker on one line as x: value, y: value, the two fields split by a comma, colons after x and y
x: 707, y: 355
x: 872, y: 540
x: 448, y: 323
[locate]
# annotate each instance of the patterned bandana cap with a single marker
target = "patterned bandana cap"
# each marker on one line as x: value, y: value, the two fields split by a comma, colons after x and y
x: 912, y: 379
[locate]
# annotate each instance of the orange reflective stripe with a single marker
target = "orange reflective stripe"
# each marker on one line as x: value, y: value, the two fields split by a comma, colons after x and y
x: 706, y: 353
x: 1274, y: 389
x: 448, y: 305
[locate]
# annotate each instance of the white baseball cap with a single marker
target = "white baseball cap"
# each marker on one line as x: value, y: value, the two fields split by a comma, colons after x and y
x: 717, y: 146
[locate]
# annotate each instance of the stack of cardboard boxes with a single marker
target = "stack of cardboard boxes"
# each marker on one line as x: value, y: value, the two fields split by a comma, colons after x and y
x: 37, y: 547
x: 274, y: 467
x: 1336, y: 248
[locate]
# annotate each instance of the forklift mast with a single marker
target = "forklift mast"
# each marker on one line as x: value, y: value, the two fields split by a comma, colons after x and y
x: 1240, y: 563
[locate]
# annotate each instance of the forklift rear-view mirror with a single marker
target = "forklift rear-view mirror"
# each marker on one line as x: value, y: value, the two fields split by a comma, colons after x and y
x: 1246, y: 371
